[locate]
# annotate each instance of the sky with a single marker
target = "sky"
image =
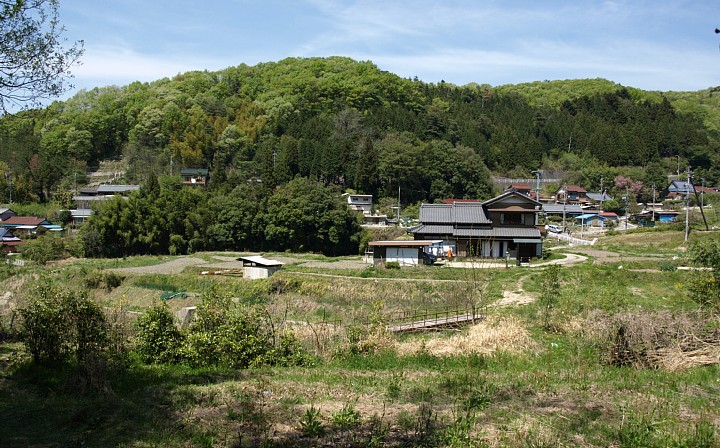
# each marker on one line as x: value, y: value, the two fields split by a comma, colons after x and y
x: 653, y: 45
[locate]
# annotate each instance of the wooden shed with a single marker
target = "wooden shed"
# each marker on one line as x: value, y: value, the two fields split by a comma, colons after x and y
x: 258, y: 267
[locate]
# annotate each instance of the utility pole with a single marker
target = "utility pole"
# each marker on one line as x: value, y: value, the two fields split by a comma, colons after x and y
x: 653, y: 204
x: 398, y: 217
x: 678, y: 163
x: 564, y: 204
x: 171, y: 164
x: 537, y: 174
x: 627, y: 205
x: 602, y: 192
x: 687, y: 207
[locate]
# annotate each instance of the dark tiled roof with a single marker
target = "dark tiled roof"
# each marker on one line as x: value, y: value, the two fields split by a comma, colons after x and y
x: 500, y: 232
x: 468, y: 213
x: 432, y: 229
x: 459, y: 212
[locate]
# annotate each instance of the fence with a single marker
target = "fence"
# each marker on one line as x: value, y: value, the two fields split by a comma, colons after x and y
x: 572, y: 240
x: 414, y: 320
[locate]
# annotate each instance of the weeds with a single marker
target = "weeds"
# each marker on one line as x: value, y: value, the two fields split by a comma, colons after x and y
x: 310, y: 423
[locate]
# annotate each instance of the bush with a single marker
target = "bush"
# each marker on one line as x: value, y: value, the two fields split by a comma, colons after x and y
x: 667, y: 266
x: 158, y: 339
x: 392, y: 265
x: 43, y: 249
x: 107, y: 279
x: 224, y: 334
x: 60, y: 325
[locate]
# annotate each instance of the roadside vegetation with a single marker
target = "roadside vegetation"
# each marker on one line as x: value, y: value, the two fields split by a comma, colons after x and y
x: 600, y: 354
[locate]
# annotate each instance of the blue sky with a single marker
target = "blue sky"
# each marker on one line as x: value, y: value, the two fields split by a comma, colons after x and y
x: 653, y: 45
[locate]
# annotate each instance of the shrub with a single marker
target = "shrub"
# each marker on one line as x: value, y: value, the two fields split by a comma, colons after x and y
x: 226, y: 334
x: 59, y: 325
x: 158, y: 339
x: 107, y: 279
x: 43, y: 249
x: 392, y: 265
x: 667, y: 266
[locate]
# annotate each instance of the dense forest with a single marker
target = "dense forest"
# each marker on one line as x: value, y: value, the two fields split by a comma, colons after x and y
x: 274, y: 132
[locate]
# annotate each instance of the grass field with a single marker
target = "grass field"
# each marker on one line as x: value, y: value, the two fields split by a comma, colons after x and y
x: 510, y: 380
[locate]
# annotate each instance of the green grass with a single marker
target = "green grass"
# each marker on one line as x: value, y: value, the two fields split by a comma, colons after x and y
x: 563, y: 393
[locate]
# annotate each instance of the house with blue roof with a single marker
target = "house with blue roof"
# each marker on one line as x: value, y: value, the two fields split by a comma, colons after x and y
x: 678, y: 189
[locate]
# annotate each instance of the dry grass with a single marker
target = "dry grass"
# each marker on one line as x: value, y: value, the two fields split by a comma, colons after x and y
x: 495, y: 334
x: 656, y: 339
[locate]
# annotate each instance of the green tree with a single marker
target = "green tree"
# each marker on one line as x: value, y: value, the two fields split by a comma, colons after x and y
x: 34, y: 65
x: 306, y: 216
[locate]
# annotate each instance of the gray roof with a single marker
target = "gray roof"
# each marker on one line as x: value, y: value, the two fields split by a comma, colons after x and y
x: 432, y: 229
x: 117, y: 188
x: 509, y: 193
x: 478, y: 232
x: 500, y: 232
x: 81, y: 213
x: 570, y: 209
x: 459, y: 212
x: 599, y: 197
x: 469, y: 213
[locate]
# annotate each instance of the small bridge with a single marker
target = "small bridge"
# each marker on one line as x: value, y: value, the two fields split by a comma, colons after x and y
x: 425, y: 320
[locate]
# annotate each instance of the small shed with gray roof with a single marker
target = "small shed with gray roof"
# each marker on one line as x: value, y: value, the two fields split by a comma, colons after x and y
x: 255, y: 266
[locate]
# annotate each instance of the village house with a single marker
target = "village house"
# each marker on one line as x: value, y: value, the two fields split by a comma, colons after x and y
x: 195, y: 177
x: 9, y: 241
x: 30, y: 225
x: 571, y: 194
x: 87, y: 197
x: 504, y: 226
x: 6, y: 213
x: 362, y: 203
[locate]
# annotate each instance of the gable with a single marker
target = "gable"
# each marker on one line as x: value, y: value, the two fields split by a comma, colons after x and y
x: 510, y: 199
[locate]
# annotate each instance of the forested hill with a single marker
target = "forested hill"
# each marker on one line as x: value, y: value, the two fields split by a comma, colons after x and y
x: 347, y: 123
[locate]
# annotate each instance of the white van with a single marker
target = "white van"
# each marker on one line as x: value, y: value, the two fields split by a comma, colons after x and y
x: 553, y: 228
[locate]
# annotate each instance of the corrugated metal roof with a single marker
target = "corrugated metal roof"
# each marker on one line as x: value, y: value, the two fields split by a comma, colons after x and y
x: 599, y: 197
x: 117, y: 188
x: 558, y: 208
x: 260, y: 261
x: 24, y: 221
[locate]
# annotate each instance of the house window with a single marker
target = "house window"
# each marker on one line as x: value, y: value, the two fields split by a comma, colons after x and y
x: 511, y: 218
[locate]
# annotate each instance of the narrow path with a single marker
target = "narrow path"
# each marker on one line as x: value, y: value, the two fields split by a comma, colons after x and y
x: 516, y: 297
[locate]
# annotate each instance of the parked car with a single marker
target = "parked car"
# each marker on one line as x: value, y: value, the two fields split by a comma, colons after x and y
x: 553, y: 228
x: 428, y: 258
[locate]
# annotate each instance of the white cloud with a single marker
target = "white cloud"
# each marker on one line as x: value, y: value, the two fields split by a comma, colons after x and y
x: 120, y: 65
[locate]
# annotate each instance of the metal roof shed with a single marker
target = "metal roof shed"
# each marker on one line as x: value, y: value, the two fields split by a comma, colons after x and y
x: 255, y: 267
